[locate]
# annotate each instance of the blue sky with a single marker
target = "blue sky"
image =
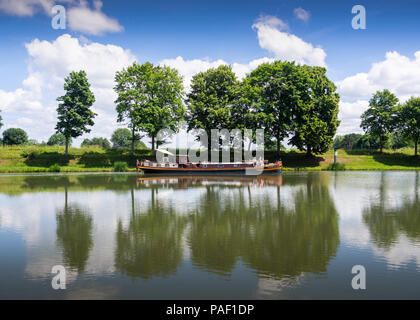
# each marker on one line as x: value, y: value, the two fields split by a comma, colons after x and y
x: 201, y: 33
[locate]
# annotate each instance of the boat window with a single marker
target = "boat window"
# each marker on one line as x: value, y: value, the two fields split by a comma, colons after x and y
x: 221, y: 166
x: 204, y: 166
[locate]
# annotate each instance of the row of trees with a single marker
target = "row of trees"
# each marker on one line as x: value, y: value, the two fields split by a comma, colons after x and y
x: 386, y: 116
x: 288, y: 101
x: 357, y: 141
x: 284, y: 99
x: 121, y: 138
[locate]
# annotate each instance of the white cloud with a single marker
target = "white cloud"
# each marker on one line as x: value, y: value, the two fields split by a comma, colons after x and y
x: 286, y: 46
x: 49, y: 64
x: 26, y: 8
x: 302, y: 14
x: 188, y: 68
x: 398, y: 73
x: 349, y: 115
x: 91, y: 21
x: 79, y: 16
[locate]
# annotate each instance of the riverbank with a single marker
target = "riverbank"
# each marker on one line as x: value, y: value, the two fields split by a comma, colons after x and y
x: 21, y: 159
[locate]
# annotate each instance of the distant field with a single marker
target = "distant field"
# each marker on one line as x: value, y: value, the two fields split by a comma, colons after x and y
x: 40, y: 159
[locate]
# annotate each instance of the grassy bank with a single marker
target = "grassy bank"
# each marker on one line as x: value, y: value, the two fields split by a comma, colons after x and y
x: 41, y: 159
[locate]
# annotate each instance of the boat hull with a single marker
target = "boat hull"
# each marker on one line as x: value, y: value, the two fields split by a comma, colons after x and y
x: 247, y: 171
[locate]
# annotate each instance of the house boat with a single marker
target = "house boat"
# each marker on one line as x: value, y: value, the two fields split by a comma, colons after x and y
x: 184, y: 166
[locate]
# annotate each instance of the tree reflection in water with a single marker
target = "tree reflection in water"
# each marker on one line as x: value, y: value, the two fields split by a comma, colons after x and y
x: 74, y: 235
x: 151, y: 244
x: 274, y: 239
x: 387, y: 224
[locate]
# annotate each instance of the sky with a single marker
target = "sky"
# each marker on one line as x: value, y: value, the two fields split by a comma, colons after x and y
x: 102, y: 37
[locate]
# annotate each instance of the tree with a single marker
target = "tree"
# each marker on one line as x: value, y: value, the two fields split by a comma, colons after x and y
x: 100, y: 142
x: 272, y: 91
x: 408, y: 120
x: 315, y: 115
x: 14, y: 136
x: 57, y: 139
x: 212, y: 96
x: 74, y: 113
x: 378, y: 120
x: 347, y: 142
x: 1, y: 119
x: 121, y: 138
x: 149, y: 98
x: 166, y: 108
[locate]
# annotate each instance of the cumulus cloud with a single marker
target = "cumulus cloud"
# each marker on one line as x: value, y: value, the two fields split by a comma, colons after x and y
x: 398, y: 73
x: 80, y: 16
x: 302, y: 14
x: 286, y: 46
x: 33, y: 106
x: 91, y: 21
x: 188, y: 68
x: 27, y: 8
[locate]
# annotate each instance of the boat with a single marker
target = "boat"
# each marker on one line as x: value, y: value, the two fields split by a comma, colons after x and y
x: 184, y: 166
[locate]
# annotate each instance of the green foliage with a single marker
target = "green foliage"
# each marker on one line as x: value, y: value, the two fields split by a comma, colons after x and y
x: 336, y: 167
x: 100, y: 142
x: 270, y: 94
x: 74, y: 113
x: 149, y: 99
x: 379, y: 119
x: 54, y: 168
x: 120, y: 166
x: 58, y: 139
x: 32, y: 142
x: 347, y: 142
x: 210, y: 101
x: 14, y: 136
x: 315, y: 115
x: 408, y: 120
x: 1, y: 121
x: 122, y: 138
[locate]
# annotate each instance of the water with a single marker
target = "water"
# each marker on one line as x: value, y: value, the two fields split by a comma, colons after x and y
x: 292, y: 236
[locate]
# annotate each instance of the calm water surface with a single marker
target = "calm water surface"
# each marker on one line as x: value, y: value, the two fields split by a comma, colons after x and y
x: 292, y: 236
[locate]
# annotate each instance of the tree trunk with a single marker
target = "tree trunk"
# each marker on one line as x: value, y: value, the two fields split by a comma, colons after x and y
x: 381, y: 145
x: 67, y: 146
x: 153, y: 143
x: 133, y: 136
x: 308, y: 151
x: 278, y: 146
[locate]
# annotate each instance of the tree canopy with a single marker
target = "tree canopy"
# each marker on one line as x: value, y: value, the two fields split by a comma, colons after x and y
x: 315, y: 118
x: 57, y: 139
x: 378, y: 119
x: 100, y: 142
x: 211, y: 99
x: 14, y: 136
x: 408, y: 120
x: 74, y: 113
x: 121, y: 138
x: 149, y: 99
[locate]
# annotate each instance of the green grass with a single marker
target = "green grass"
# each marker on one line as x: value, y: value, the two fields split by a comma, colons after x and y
x: 120, y: 166
x: 93, y: 159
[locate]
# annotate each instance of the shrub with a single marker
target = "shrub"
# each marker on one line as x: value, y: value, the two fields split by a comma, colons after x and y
x: 120, y: 166
x: 336, y: 166
x: 54, y: 168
